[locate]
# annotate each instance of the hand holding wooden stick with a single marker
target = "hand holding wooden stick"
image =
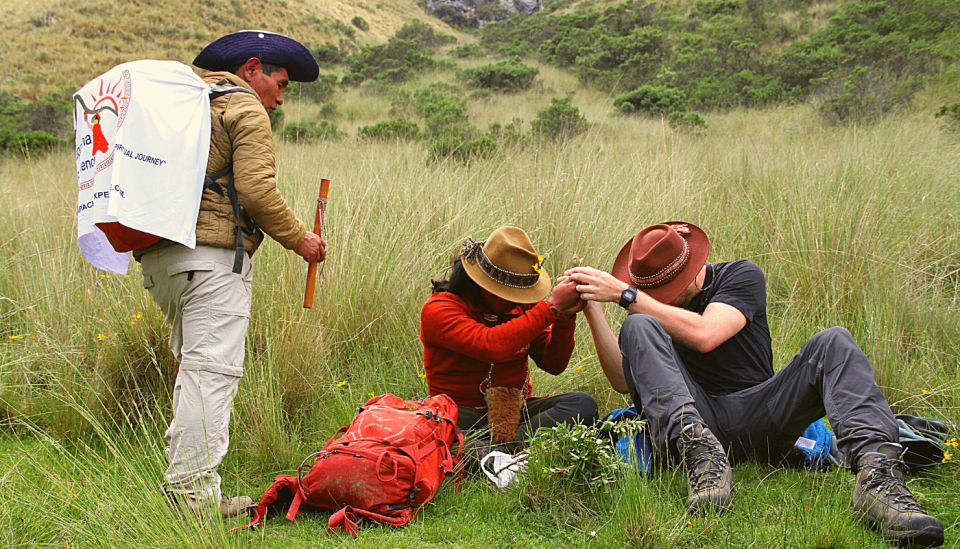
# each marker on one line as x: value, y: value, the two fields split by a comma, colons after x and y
x: 318, y: 224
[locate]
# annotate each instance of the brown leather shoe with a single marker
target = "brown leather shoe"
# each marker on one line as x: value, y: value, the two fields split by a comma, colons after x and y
x: 709, y: 473
x: 882, y: 500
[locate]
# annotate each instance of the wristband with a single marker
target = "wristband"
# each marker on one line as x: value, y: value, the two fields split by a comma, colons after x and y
x: 628, y: 297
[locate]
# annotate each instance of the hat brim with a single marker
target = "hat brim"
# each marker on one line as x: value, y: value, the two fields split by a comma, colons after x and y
x: 532, y: 294
x: 229, y: 51
x: 699, y: 250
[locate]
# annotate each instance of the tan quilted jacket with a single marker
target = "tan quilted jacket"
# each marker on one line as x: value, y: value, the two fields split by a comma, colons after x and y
x: 241, y: 132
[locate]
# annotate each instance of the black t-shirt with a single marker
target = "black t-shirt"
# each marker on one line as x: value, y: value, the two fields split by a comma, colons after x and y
x: 745, y: 359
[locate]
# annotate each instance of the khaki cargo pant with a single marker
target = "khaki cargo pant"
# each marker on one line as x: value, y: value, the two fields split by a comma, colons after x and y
x: 208, y: 308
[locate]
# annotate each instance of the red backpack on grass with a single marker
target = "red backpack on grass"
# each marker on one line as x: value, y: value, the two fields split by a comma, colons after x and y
x: 384, y: 466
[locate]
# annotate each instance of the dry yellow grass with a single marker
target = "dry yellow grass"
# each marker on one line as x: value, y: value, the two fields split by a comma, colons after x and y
x: 53, y: 45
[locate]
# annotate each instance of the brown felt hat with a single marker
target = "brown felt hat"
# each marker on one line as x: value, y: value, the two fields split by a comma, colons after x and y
x: 507, y: 266
x: 663, y: 259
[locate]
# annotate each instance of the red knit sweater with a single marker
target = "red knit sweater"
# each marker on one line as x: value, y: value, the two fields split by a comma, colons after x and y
x: 459, y: 346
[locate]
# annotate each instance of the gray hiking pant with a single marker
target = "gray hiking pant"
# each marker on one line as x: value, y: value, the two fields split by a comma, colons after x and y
x: 829, y: 376
x: 208, y: 308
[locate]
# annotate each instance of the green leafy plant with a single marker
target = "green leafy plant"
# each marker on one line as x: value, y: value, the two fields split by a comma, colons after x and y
x: 559, y: 120
x: 396, y: 129
x: 320, y: 90
x: 570, y: 465
x: 950, y: 114
x: 310, y: 131
x: 440, y: 105
x: 462, y: 142
x: 360, y: 23
x: 687, y: 121
x: 507, y: 76
x: 651, y: 100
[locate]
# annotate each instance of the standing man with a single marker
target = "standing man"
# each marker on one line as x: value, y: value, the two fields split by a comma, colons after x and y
x: 205, y: 293
x: 695, y: 355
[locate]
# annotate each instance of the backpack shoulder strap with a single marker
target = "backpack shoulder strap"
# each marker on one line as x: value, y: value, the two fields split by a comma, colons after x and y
x: 223, y: 87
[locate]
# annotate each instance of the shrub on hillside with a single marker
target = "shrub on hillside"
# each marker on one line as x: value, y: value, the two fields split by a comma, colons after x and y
x: 466, y: 51
x: 328, y: 54
x: 462, y: 142
x: 510, y: 133
x: 507, y: 76
x: 651, y: 100
x: 396, y: 129
x: 33, y: 126
x: 863, y: 97
x: 687, y: 121
x: 360, y: 23
x: 405, y: 54
x: 951, y: 117
x: 310, y: 131
x: 318, y: 91
x: 559, y: 120
x: 440, y: 105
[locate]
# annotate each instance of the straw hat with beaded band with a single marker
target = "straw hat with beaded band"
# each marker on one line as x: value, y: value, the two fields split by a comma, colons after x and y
x: 662, y: 260
x: 507, y: 266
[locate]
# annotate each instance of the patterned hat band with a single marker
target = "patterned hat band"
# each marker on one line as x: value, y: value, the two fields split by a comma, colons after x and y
x: 472, y: 252
x: 665, y: 274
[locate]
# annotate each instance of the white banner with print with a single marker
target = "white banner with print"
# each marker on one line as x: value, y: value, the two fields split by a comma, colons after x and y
x: 142, y: 139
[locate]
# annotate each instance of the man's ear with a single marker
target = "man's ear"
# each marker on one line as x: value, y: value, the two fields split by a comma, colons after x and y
x: 250, y: 68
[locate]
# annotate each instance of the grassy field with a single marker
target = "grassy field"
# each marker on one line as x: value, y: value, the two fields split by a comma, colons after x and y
x: 854, y: 226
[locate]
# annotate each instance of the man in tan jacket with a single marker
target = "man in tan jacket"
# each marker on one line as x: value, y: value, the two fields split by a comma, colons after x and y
x: 205, y: 293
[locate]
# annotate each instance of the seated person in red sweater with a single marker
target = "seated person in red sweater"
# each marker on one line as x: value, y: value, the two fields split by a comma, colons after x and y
x: 480, y: 326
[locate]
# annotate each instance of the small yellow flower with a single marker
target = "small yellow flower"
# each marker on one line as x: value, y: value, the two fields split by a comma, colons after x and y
x: 953, y: 442
x: 925, y: 391
x: 422, y: 375
x: 947, y: 456
x: 15, y: 337
x: 372, y: 394
x: 341, y: 383
x: 101, y: 336
x: 538, y: 266
x: 137, y: 316
x: 104, y: 275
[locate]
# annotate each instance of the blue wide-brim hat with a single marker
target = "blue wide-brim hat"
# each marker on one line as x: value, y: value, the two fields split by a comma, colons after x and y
x: 232, y: 50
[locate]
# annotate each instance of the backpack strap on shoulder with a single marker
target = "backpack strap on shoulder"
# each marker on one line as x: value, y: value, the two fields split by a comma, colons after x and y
x: 243, y: 222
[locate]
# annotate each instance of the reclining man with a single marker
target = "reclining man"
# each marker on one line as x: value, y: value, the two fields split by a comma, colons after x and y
x: 205, y: 293
x: 696, y: 357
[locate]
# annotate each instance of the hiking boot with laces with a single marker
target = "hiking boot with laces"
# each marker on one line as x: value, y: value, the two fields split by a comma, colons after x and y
x: 882, y: 500
x: 711, y: 481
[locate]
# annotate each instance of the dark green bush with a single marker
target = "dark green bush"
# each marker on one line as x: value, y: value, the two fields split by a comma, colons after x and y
x: 455, y: 17
x: 423, y: 35
x: 396, y: 129
x: 328, y: 54
x: 440, y: 105
x: 950, y: 114
x: 687, y: 121
x: 558, y: 121
x: 651, y: 100
x: 864, y: 96
x: 29, y: 141
x: 510, y: 133
x: 33, y: 126
x: 276, y: 118
x: 507, y: 76
x: 318, y: 91
x: 466, y: 51
x: 405, y: 54
x: 310, y: 131
x: 360, y: 23
x: 461, y: 142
